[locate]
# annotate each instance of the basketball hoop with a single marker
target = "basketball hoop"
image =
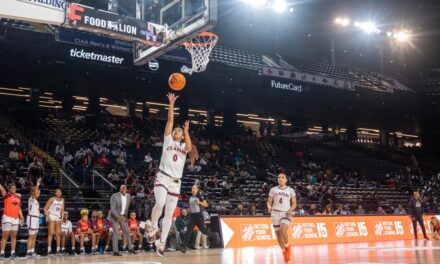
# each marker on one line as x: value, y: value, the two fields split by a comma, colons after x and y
x: 200, y: 48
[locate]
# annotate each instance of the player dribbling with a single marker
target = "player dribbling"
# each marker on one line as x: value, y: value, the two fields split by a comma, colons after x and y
x: 281, y: 203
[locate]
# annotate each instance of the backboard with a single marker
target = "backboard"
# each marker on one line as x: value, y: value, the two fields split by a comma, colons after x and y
x: 177, y: 21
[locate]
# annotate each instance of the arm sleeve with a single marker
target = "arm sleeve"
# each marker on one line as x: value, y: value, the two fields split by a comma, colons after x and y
x: 292, y: 192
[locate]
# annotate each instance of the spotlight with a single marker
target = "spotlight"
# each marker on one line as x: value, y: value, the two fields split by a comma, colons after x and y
x: 256, y: 2
x: 280, y: 6
x: 402, y: 35
x: 368, y: 27
x: 342, y: 21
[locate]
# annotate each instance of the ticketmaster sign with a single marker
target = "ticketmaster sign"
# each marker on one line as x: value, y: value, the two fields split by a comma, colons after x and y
x: 95, y: 57
x: 39, y: 11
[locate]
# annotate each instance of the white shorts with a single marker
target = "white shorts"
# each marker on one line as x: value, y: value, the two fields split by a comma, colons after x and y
x: 279, y: 218
x: 86, y: 238
x: 172, y: 185
x: 9, y: 223
x: 32, y: 224
x: 54, y: 218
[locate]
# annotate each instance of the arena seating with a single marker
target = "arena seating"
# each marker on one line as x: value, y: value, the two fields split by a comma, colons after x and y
x: 259, y: 160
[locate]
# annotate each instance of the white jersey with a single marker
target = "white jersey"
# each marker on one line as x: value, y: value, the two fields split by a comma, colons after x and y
x: 281, y: 198
x: 173, y: 157
x: 33, y: 207
x: 55, y: 208
x: 66, y: 227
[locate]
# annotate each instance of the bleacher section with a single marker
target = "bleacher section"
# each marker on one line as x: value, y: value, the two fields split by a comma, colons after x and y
x: 260, y: 160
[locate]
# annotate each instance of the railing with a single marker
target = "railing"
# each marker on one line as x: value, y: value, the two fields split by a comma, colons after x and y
x: 99, y: 182
x: 71, y: 186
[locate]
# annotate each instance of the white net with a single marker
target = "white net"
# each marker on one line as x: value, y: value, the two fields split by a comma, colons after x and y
x: 200, y: 48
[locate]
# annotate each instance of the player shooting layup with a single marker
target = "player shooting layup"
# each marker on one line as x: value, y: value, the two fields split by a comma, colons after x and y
x: 281, y: 203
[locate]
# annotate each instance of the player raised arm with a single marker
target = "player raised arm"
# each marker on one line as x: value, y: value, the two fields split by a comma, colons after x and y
x: 38, y: 184
x: 2, y: 190
x: 188, y: 143
x: 170, y: 122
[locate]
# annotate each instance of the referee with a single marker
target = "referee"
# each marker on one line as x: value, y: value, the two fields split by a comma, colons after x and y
x: 196, y: 202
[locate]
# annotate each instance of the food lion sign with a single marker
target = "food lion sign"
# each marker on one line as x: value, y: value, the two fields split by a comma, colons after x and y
x: 40, y: 11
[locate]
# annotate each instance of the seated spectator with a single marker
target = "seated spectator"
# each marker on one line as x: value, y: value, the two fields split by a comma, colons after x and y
x: 12, y: 142
x: 347, y: 209
x: 113, y: 176
x: 215, y: 148
x: 135, y: 232
x: 103, y: 160
x: 299, y: 210
x: 13, y: 154
x: 360, y: 210
x: 313, y: 210
x: 328, y: 210
x: 84, y: 232
x: 67, y: 159
x: 131, y: 177
x: 239, y: 210
x: 253, y: 210
x: 182, y: 223
x: 67, y: 234
x: 340, y: 210
x: 380, y: 211
x: 211, y: 184
x: 99, y: 226
x: 225, y: 188
x: 26, y: 183
x: 400, y: 210
x: 59, y: 151
x: 434, y: 225
x: 148, y: 159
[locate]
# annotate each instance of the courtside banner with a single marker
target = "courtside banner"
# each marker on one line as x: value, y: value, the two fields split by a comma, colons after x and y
x: 238, y: 232
x: 39, y: 11
x: 98, y: 21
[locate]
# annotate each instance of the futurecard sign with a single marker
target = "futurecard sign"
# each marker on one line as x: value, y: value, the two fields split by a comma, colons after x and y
x: 295, y: 76
x: 90, y: 19
x: 287, y: 86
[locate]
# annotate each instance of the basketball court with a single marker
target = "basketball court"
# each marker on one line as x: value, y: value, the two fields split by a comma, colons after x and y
x: 405, y: 251
x: 160, y: 28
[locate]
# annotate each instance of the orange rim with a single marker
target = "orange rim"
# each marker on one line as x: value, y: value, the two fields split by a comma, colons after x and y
x: 205, y: 44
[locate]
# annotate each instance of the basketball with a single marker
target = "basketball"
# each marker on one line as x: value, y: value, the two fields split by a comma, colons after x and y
x: 177, y: 81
